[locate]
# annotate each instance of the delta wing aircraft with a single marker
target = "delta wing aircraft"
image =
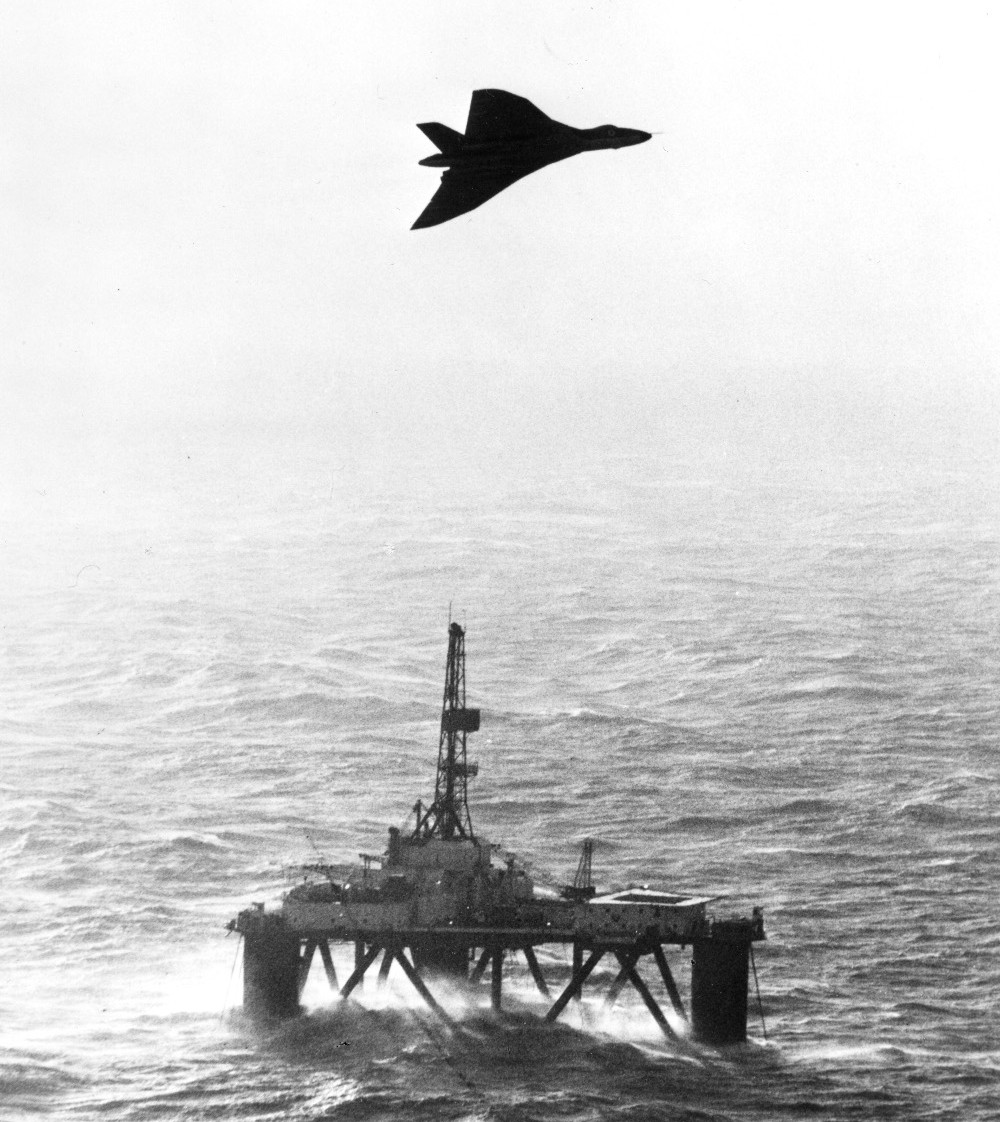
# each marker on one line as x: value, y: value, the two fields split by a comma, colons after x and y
x: 506, y: 138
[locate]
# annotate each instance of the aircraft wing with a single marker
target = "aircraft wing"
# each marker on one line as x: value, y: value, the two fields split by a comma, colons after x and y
x: 498, y: 115
x: 463, y: 190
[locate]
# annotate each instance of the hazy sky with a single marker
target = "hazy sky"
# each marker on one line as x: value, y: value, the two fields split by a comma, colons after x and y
x: 206, y: 212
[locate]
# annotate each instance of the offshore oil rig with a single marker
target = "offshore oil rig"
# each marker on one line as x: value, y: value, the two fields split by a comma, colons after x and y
x: 441, y: 902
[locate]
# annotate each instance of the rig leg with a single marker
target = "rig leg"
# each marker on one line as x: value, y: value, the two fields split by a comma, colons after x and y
x: 575, y: 984
x: 647, y: 997
x: 359, y: 954
x: 668, y: 981
x: 496, y: 978
x: 418, y: 984
x: 719, y: 976
x: 271, y: 968
x: 628, y: 961
x: 577, y: 965
x: 324, y: 954
x: 536, y: 971
x: 305, y: 962
x: 383, y: 970
x: 480, y: 968
x: 359, y: 970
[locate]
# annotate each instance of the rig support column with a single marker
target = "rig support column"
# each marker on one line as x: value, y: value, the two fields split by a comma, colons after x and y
x: 647, y: 997
x: 331, y: 972
x: 359, y: 956
x: 480, y: 968
x: 383, y: 970
x: 668, y: 981
x: 577, y: 966
x: 536, y: 971
x: 496, y: 978
x: 305, y: 961
x: 418, y: 984
x: 271, y: 966
x: 719, y: 976
x: 627, y: 962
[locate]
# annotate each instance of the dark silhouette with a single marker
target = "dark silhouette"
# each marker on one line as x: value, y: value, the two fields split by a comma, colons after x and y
x: 506, y: 138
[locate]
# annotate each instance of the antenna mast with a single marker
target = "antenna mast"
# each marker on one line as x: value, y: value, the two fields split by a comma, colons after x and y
x: 448, y: 816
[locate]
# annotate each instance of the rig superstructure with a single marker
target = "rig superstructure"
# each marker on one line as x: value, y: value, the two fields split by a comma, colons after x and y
x: 442, y: 901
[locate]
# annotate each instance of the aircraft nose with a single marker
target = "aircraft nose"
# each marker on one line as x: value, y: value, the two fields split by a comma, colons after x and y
x: 635, y: 136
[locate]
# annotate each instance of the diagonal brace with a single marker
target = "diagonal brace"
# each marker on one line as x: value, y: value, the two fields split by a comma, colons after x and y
x: 305, y: 961
x: 331, y: 972
x: 480, y: 967
x: 359, y: 971
x: 647, y: 998
x: 575, y: 984
x: 668, y: 981
x: 628, y: 962
x: 383, y: 970
x: 418, y: 984
x: 536, y: 971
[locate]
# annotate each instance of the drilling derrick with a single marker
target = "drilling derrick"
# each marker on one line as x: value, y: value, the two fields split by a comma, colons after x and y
x: 448, y: 816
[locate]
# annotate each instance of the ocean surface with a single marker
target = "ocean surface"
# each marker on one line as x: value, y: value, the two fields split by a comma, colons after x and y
x: 770, y: 679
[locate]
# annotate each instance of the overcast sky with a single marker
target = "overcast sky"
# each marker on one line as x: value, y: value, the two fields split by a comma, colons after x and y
x: 206, y: 212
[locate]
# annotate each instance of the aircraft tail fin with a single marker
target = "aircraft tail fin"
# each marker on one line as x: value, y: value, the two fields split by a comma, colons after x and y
x: 446, y: 139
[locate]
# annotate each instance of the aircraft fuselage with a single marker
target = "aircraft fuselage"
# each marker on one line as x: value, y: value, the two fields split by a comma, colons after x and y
x: 559, y: 144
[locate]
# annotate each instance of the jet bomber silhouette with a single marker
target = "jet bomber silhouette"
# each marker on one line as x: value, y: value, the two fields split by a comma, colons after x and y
x: 506, y: 138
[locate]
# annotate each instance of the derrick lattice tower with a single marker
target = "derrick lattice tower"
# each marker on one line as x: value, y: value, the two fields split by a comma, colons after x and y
x: 448, y: 816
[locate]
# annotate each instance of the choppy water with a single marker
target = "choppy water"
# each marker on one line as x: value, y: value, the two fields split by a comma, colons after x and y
x: 777, y: 683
